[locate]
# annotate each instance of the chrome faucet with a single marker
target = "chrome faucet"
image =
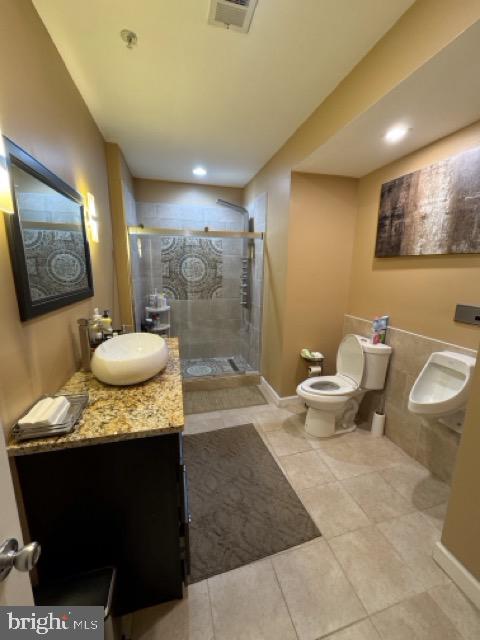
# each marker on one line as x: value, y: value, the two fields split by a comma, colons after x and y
x: 84, y: 326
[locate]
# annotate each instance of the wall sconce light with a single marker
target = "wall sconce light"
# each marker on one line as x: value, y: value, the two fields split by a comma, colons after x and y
x: 6, y: 200
x: 92, y: 218
x: 139, y: 247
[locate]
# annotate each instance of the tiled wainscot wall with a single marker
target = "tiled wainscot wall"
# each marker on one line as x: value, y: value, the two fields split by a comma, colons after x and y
x: 433, y: 445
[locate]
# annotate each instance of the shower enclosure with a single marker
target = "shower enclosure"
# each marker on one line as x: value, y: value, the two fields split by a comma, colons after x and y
x: 208, y: 262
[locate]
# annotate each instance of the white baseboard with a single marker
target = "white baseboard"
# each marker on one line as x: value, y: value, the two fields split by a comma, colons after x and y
x: 457, y: 572
x: 272, y: 396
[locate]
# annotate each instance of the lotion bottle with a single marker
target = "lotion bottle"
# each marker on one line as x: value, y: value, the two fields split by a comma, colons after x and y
x: 106, y: 323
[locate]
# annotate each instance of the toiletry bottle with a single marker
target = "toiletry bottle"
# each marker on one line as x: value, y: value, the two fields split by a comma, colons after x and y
x: 95, y: 331
x: 106, y: 323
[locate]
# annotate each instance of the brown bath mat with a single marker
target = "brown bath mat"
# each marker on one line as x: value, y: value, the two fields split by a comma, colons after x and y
x: 242, y: 506
x: 221, y: 399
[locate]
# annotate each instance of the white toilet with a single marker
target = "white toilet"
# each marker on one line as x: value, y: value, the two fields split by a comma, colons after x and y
x: 333, y: 401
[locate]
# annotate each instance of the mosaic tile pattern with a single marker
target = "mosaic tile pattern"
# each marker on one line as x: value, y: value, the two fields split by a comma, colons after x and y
x: 55, y: 262
x: 192, y: 268
x: 201, y: 367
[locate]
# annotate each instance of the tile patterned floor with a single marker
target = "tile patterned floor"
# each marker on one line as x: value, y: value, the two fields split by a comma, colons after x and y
x: 371, y: 577
x: 201, y: 367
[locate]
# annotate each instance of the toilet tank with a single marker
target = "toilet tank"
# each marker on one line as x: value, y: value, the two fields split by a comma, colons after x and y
x: 377, y: 357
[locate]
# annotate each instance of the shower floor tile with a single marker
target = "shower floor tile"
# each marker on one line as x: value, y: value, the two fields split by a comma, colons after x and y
x: 201, y: 367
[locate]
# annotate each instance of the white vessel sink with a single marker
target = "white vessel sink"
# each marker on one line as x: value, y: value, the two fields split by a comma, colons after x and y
x: 129, y: 359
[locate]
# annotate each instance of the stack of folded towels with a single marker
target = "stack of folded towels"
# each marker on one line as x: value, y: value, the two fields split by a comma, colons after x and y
x: 45, y: 415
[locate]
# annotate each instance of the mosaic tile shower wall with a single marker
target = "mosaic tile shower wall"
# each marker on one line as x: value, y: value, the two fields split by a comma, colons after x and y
x: 192, y: 268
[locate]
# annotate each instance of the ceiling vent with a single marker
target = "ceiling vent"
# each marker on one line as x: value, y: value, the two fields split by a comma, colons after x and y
x: 232, y: 14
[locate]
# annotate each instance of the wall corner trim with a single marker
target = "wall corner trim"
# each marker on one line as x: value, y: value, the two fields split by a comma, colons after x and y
x: 465, y: 581
x: 272, y: 396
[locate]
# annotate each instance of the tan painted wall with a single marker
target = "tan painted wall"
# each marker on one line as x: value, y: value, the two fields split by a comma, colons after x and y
x: 184, y: 192
x: 42, y: 111
x: 419, y: 293
x: 461, y: 533
x: 320, y: 241
x: 119, y: 177
x: 425, y: 29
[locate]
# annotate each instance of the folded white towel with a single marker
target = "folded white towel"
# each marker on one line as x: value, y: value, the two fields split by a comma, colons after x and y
x: 36, y: 412
x: 57, y: 411
x: 46, y: 412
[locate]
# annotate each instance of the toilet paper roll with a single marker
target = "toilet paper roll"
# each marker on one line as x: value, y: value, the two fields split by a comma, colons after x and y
x: 378, y: 424
x: 314, y: 371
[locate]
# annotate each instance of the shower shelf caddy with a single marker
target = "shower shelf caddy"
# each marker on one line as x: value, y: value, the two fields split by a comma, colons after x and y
x: 160, y: 318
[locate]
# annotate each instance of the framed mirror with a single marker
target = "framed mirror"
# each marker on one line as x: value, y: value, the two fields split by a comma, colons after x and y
x: 47, y: 237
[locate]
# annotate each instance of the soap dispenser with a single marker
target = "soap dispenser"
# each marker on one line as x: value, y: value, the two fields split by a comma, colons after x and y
x: 95, y: 328
x: 106, y: 323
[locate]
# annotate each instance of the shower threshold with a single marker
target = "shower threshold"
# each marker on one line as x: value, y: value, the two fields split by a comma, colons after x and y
x: 204, y: 367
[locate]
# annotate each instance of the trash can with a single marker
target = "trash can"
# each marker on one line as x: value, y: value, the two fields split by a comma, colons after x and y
x: 93, y: 588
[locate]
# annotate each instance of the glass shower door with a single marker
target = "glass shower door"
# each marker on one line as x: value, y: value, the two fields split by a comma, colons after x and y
x: 212, y: 282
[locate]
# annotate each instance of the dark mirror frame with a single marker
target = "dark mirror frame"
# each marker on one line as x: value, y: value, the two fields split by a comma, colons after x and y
x: 27, y: 307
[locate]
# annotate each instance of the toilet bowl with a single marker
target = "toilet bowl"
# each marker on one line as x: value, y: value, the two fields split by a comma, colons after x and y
x: 442, y: 387
x: 333, y: 401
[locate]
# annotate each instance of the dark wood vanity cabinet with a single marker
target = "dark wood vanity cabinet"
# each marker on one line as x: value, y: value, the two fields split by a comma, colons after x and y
x: 122, y: 504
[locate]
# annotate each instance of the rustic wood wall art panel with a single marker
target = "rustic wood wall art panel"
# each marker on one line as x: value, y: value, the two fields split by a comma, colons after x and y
x: 435, y: 210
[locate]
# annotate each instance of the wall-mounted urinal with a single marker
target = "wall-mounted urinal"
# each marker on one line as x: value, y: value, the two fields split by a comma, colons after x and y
x: 441, y: 390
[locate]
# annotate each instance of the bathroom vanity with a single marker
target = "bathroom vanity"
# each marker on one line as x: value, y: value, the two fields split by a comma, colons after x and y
x: 114, y: 492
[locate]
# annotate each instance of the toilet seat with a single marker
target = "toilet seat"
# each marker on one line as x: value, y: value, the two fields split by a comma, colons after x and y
x: 336, y: 385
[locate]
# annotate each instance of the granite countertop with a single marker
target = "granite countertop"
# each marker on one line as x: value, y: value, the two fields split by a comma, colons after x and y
x: 143, y: 410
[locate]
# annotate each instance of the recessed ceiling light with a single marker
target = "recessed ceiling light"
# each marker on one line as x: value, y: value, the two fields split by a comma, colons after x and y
x: 396, y: 133
x: 199, y: 171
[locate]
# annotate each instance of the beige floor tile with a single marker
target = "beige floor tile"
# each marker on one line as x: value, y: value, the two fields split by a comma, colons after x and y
x: 378, y: 574
x: 247, y: 604
x: 376, y: 497
x: 358, y: 453
x: 342, y: 468
x: 319, y: 597
x: 333, y: 510
x: 363, y: 630
x: 198, y: 423
x: 436, y: 515
x: 416, y: 484
x: 418, y: 618
x: 296, y: 406
x: 414, y: 538
x: 287, y: 440
x: 306, y: 469
x: 272, y: 420
x: 459, y: 610
x: 187, y: 619
x: 234, y: 417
